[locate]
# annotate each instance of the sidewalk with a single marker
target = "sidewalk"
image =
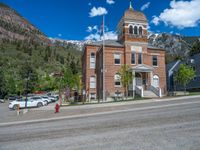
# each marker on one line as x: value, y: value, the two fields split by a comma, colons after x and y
x: 109, y: 104
x: 47, y: 113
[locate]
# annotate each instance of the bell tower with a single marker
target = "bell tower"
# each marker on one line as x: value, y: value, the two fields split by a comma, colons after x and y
x: 132, y: 26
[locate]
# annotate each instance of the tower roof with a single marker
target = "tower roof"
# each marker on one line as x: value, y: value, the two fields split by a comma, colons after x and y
x: 132, y: 14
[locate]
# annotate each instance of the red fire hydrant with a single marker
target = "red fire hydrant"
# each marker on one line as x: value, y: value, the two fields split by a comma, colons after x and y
x: 57, y: 108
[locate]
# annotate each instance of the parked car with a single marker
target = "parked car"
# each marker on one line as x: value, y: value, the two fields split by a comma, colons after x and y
x: 53, y: 98
x: 47, y: 99
x: 21, y: 102
x: 2, y: 101
x: 14, y: 97
x: 39, y: 99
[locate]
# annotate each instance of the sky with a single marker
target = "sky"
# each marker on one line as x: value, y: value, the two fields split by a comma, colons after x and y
x: 82, y: 19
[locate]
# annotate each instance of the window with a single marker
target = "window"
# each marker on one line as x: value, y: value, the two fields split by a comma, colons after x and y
x: 155, y: 81
x: 140, y: 30
x: 117, y: 79
x: 139, y: 58
x: 117, y: 59
x: 155, y: 60
x: 92, y: 60
x: 132, y: 58
x: 92, y: 82
x: 135, y: 30
x: 131, y: 30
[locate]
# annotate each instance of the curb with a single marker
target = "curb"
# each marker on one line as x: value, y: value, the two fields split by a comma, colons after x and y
x: 122, y: 103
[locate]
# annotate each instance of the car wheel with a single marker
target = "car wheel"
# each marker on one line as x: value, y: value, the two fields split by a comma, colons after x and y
x: 46, y: 102
x: 39, y: 104
x: 15, y: 107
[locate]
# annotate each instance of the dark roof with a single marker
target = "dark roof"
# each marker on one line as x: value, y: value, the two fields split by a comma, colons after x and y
x: 170, y: 65
x: 154, y: 48
x: 107, y: 43
x: 196, y: 58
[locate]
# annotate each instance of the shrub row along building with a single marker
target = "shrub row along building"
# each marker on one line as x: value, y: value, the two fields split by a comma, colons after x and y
x: 131, y: 48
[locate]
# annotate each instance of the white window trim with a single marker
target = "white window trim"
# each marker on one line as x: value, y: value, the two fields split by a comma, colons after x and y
x: 152, y: 61
x: 93, y: 82
x: 119, y: 86
x: 131, y: 58
x: 91, y: 62
x: 119, y: 59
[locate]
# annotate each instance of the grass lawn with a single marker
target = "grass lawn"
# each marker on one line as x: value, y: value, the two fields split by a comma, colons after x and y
x: 194, y: 93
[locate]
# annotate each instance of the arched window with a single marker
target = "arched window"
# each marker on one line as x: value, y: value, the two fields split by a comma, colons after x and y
x: 131, y: 30
x: 140, y: 30
x: 135, y: 30
x: 117, y: 79
x: 155, y: 81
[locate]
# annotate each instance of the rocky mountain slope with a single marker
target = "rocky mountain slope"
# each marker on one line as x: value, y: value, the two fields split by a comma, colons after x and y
x: 14, y: 27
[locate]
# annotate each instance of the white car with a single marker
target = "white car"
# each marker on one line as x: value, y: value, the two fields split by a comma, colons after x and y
x: 22, y: 103
x: 47, y: 99
x: 40, y: 99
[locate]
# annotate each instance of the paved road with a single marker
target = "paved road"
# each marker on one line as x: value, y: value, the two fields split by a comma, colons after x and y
x: 158, y: 126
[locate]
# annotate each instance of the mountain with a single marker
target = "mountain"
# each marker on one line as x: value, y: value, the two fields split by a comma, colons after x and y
x: 176, y: 45
x: 14, y: 27
x: 66, y: 43
x: 25, y: 52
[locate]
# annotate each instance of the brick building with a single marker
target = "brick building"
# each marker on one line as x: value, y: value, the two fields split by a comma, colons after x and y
x: 131, y: 48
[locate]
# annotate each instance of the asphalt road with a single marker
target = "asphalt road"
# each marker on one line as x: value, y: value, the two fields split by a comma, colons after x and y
x: 162, y: 126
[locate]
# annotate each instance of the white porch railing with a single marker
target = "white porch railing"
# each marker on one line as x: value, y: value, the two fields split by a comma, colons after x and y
x: 139, y: 90
x: 156, y: 91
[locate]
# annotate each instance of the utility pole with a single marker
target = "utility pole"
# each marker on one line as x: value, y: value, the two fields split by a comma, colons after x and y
x: 104, y: 90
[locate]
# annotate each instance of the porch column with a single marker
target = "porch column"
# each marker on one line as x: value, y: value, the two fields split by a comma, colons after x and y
x: 133, y: 83
x: 151, y: 78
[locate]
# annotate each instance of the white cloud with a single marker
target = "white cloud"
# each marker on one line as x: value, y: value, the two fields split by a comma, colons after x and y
x: 98, y: 11
x: 59, y: 34
x: 93, y: 36
x: 92, y: 28
x: 110, y: 2
x: 97, y: 37
x: 181, y: 14
x: 145, y: 6
x: 155, y: 20
x: 110, y: 35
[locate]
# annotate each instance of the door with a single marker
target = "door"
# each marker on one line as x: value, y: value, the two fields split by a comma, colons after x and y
x: 138, y: 79
x: 155, y: 81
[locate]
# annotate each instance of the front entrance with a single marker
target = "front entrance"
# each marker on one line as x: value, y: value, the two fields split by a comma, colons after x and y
x: 141, y: 79
x: 138, y: 79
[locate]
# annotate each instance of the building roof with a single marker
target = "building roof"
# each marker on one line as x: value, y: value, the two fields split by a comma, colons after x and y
x: 118, y: 44
x: 196, y: 58
x: 173, y: 65
x: 132, y: 14
x: 107, y: 43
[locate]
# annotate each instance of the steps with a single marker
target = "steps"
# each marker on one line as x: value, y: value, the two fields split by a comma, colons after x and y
x: 149, y: 94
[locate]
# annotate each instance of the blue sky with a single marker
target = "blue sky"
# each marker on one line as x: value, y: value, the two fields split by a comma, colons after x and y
x: 81, y: 19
